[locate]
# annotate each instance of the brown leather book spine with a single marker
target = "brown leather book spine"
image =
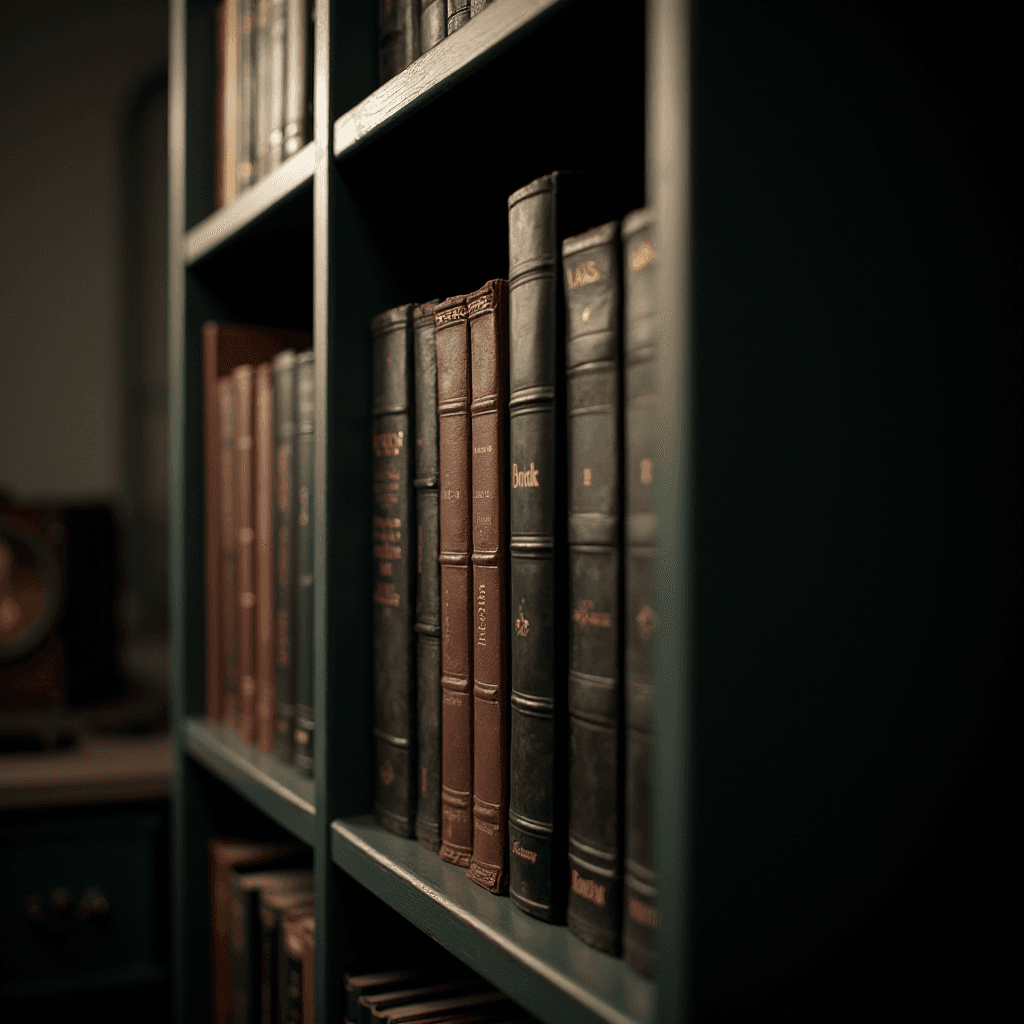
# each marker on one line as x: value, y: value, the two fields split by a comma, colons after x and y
x: 211, y: 457
x: 264, y: 460
x: 453, y: 384
x: 228, y: 626
x: 242, y: 379
x: 487, y: 310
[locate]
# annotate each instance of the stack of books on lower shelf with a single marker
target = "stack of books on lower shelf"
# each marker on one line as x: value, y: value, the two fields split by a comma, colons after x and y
x: 258, y: 421
x: 427, y: 996
x: 514, y: 537
x: 262, y: 932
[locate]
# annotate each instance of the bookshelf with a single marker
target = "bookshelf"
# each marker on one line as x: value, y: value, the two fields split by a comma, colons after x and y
x: 810, y: 481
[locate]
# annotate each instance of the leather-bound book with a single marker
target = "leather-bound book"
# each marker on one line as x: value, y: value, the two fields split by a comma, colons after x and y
x: 276, y: 51
x: 226, y: 346
x: 261, y: 86
x: 228, y: 136
x: 245, y: 535
x: 453, y: 385
x: 393, y: 536
x: 372, y: 1004
x: 445, y: 1008
x: 428, y: 580
x: 458, y: 14
x: 298, y: 945
x: 298, y: 68
x: 433, y: 23
x: 222, y: 634
x: 359, y: 985
x: 264, y: 527
x: 399, y: 36
x: 247, y: 934
x: 487, y: 310
x: 246, y: 170
x: 274, y: 907
x: 284, y: 554
x: 639, y: 301
x: 590, y: 263
x: 540, y: 215
x: 304, y: 712
x: 476, y: 6
x: 227, y: 855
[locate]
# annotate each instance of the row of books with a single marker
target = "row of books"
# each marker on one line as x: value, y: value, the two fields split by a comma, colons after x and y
x: 427, y: 996
x: 409, y: 28
x: 264, y: 88
x: 262, y: 933
x: 514, y: 542
x: 259, y: 412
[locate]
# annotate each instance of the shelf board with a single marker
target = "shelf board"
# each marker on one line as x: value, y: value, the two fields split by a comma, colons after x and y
x: 227, y: 222
x: 478, y: 41
x: 279, y: 790
x: 542, y: 967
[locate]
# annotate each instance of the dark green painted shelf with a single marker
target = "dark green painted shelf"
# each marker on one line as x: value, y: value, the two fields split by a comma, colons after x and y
x: 277, y: 789
x: 229, y: 221
x: 541, y: 966
x: 453, y: 59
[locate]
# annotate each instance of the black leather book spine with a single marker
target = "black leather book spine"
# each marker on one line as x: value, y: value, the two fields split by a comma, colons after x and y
x: 539, y: 215
x: 284, y: 554
x: 304, y: 711
x: 590, y: 264
x: 399, y: 36
x: 639, y: 297
x: 393, y: 533
x: 433, y: 23
x: 428, y: 580
x: 458, y: 14
x: 246, y: 92
x: 297, y: 48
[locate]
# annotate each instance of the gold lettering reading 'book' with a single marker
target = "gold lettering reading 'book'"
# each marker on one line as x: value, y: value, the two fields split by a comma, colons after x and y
x: 590, y: 890
x: 522, y: 851
x: 525, y: 477
x: 585, y: 273
x: 386, y: 595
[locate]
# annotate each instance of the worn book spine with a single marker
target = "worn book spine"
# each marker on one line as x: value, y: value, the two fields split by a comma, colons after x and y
x: 428, y: 580
x: 458, y: 14
x: 399, y: 36
x: 245, y: 586
x: 274, y: 908
x: 246, y: 93
x: 453, y: 386
x: 229, y: 549
x: 297, y: 948
x: 433, y: 23
x: 590, y: 263
x: 392, y: 533
x: 537, y: 770
x: 297, y: 36
x: 215, y: 696
x: 476, y: 6
x: 284, y: 554
x: 359, y: 985
x: 639, y: 300
x: 487, y: 311
x: 261, y: 86
x: 229, y: 123
x: 304, y: 711
x: 277, y: 30
x: 264, y: 527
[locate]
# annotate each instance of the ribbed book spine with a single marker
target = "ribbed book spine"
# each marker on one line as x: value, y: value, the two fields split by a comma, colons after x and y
x: 261, y: 86
x: 246, y: 94
x: 228, y: 551
x: 536, y: 564
x: 453, y: 385
x: 487, y: 310
x: 590, y: 263
x: 264, y: 526
x: 277, y: 31
x: 245, y: 535
x: 296, y: 127
x: 639, y: 280
x: 284, y: 554
x: 428, y: 580
x: 433, y: 23
x: 458, y: 14
x: 304, y: 716
x: 392, y: 533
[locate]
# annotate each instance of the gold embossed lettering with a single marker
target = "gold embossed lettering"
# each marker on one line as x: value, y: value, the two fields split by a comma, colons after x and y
x: 585, y: 273
x: 590, y: 890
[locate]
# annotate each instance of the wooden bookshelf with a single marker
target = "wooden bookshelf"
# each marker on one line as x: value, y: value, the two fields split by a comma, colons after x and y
x: 808, y: 474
